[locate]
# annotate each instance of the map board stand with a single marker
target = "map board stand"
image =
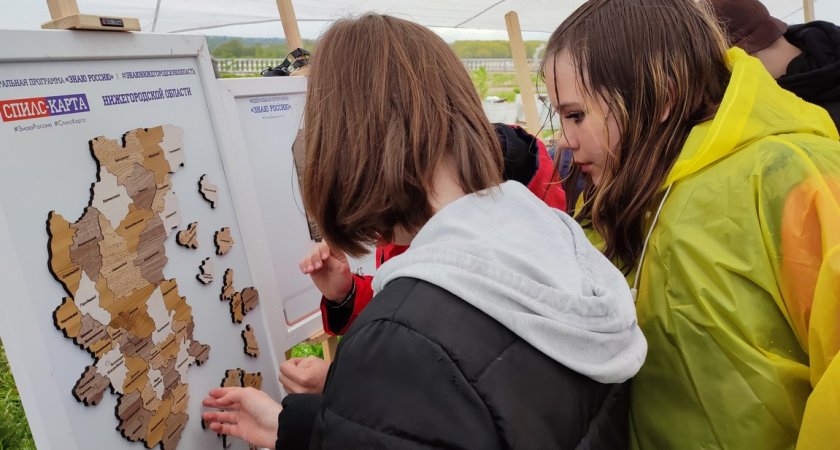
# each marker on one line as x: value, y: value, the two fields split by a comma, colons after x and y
x: 60, y: 91
x: 65, y: 16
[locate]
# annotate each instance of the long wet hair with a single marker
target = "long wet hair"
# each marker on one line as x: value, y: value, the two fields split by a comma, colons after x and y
x: 660, y: 66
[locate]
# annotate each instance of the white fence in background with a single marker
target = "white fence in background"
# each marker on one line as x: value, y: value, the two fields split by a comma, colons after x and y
x: 253, y: 66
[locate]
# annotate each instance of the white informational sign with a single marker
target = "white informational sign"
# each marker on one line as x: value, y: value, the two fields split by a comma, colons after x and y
x: 266, y: 114
x: 58, y: 91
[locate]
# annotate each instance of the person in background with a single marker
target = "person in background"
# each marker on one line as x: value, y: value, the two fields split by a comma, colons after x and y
x: 804, y: 59
x: 345, y: 295
x: 497, y: 294
x: 718, y: 193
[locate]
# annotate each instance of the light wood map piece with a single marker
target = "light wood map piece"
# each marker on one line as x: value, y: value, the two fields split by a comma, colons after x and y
x: 206, y: 271
x: 208, y: 190
x: 189, y: 237
x: 227, y: 285
x: 118, y: 305
x: 223, y: 241
x: 252, y: 347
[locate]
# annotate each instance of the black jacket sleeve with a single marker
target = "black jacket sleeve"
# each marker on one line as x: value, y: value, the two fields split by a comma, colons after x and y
x: 392, y: 387
x: 296, y: 421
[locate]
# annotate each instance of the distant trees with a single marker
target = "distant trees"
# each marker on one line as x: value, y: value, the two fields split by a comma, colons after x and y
x: 223, y: 47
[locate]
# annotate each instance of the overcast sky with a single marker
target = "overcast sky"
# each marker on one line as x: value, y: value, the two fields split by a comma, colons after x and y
x: 29, y: 14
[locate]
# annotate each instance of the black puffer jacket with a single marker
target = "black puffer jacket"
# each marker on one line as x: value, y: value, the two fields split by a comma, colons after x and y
x: 421, y: 368
x: 815, y: 74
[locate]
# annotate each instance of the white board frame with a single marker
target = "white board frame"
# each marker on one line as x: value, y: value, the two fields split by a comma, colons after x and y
x: 287, y: 336
x: 49, y: 425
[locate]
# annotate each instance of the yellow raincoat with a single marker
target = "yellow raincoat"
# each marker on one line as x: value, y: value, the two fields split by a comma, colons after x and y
x: 739, y: 293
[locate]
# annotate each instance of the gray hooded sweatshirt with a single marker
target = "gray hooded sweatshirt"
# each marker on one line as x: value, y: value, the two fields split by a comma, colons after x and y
x: 531, y: 268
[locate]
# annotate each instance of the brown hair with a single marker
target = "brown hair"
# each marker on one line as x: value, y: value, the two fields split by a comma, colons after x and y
x: 387, y: 103
x: 646, y: 59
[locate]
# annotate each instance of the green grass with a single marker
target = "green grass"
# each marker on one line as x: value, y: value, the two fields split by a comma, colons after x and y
x: 14, y: 429
x: 304, y: 350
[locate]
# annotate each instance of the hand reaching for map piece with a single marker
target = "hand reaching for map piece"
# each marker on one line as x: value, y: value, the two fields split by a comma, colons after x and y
x: 304, y: 375
x: 329, y: 271
x: 247, y: 413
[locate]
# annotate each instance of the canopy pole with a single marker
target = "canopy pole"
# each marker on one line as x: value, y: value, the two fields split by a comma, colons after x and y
x: 290, y: 26
x: 523, y: 76
x: 809, y: 10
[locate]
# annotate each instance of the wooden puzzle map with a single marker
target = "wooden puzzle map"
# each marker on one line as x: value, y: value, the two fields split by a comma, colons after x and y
x: 120, y: 307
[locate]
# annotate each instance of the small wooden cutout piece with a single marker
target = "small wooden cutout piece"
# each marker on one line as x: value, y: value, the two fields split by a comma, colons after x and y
x: 253, y: 380
x: 236, y: 312
x: 206, y: 271
x: 208, y: 190
x: 227, y: 286
x: 250, y: 299
x: 223, y: 241
x: 252, y: 347
x: 189, y: 237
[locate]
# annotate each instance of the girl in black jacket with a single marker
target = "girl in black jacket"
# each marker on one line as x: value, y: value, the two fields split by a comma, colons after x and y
x: 501, y: 326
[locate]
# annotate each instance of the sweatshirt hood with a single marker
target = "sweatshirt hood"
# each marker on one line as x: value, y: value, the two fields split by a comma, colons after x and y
x: 532, y: 269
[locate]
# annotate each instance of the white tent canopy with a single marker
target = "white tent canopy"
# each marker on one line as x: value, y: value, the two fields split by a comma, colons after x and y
x: 201, y: 15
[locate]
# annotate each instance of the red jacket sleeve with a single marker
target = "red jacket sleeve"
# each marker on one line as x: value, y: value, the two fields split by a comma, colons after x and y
x: 546, y: 183
x: 338, y: 320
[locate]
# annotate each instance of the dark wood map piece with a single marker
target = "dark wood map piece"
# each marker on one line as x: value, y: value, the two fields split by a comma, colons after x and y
x: 250, y: 299
x: 199, y: 351
x: 151, y: 253
x: 90, y: 387
x: 93, y: 336
x: 223, y: 241
x: 174, y: 427
x: 206, y: 271
x: 236, y: 313
x: 227, y: 286
x: 253, y: 380
x: 208, y: 190
x: 252, y: 347
x: 189, y: 237
x: 85, y: 248
x: 134, y: 419
x: 141, y: 187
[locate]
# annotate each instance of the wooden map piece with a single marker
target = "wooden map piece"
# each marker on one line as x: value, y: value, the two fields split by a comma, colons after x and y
x: 171, y: 215
x: 85, y: 248
x: 90, y: 387
x: 134, y: 419
x: 174, y: 426
x: 223, y: 241
x: 227, y: 286
x: 136, y: 377
x: 150, y: 398
x: 236, y: 313
x: 250, y: 299
x: 110, y: 198
x: 153, y: 155
x: 61, y: 265
x: 93, y: 336
x: 157, y: 424
x: 200, y: 352
x: 208, y: 190
x: 206, y: 271
x: 119, y: 160
x: 188, y: 238
x: 68, y: 318
x: 87, y: 300
x: 151, y: 253
x: 233, y: 378
x: 252, y: 347
x: 141, y: 187
x: 132, y: 226
x: 180, y: 398
x: 173, y: 146
x: 133, y: 346
x: 253, y: 380
x: 112, y: 366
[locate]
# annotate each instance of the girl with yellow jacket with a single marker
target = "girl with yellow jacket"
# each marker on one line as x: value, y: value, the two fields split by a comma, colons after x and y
x: 718, y: 193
